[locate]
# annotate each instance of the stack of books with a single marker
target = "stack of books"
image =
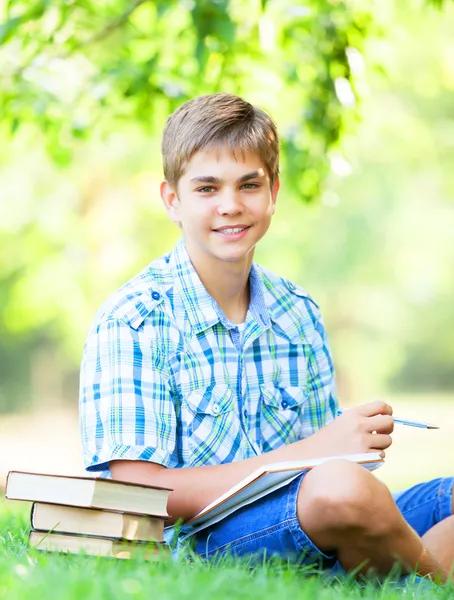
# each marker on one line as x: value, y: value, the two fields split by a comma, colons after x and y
x: 93, y: 516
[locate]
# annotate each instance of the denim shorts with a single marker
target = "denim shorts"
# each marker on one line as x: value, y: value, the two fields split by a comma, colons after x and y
x: 270, y: 526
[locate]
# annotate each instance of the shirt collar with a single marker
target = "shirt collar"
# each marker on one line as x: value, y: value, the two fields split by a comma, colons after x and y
x: 202, y: 310
x: 258, y: 307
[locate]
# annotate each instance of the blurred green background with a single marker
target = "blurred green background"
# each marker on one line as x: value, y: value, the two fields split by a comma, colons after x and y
x: 363, y: 94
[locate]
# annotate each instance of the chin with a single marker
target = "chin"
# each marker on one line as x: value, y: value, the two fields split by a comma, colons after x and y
x: 235, y: 257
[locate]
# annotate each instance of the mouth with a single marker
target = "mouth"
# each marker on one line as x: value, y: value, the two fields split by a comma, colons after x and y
x: 234, y: 230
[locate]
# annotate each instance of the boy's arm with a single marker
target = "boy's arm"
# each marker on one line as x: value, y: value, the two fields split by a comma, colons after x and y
x: 196, y: 487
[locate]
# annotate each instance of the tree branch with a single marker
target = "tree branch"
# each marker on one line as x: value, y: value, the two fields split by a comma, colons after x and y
x: 104, y: 33
x: 113, y: 25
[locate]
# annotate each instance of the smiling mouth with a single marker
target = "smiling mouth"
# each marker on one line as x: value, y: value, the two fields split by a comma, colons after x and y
x: 231, y: 230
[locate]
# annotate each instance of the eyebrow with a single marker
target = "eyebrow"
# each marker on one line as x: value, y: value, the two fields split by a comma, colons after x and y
x: 211, y: 179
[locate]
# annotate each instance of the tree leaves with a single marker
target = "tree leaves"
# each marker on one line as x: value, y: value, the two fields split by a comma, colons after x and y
x: 101, y: 64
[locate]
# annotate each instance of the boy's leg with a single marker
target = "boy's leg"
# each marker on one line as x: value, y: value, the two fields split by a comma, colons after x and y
x: 265, y: 528
x: 440, y: 542
x: 428, y: 508
x: 347, y: 511
x: 337, y: 510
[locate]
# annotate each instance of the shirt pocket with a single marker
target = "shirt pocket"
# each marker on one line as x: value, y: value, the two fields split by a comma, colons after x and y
x: 213, y: 427
x: 281, y: 415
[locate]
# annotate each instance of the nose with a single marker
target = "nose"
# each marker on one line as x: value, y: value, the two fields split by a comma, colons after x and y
x: 230, y: 203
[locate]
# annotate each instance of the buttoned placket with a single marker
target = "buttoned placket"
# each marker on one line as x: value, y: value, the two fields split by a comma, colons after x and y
x: 251, y: 332
x: 259, y: 327
x: 240, y: 388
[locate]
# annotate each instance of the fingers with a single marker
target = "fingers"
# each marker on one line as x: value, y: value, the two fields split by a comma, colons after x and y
x: 377, y: 407
x: 365, y: 428
x: 380, y: 424
x: 380, y: 441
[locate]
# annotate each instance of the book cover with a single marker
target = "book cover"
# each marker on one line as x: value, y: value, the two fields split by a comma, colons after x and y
x: 95, y: 522
x: 75, y: 544
x: 88, y: 492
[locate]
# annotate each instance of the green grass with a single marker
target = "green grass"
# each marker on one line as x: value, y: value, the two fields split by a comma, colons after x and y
x: 28, y: 574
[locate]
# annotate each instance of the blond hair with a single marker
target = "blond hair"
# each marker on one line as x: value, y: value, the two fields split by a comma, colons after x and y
x: 215, y: 120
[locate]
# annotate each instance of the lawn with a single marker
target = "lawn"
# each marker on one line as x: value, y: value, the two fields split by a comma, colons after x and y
x: 28, y: 574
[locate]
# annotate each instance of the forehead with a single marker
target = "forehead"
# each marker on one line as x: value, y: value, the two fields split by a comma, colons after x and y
x: 223, y: 161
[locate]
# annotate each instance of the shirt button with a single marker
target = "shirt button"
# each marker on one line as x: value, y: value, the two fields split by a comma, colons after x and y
x: 284, y: 404
x: 291, y: 286
x: 156, y: 296
x: 215, y: 409
x: 245, y: 413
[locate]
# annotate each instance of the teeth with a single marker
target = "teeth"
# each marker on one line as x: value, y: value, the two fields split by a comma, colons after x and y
x: 233, y: 230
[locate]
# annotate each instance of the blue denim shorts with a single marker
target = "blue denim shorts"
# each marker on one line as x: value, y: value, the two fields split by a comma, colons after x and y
x: 270, y: 526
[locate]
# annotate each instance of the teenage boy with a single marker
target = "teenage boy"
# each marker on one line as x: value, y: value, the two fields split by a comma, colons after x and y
x: 206, y: 366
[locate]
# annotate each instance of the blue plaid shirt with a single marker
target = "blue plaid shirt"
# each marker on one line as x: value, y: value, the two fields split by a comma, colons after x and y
x: 167, y: 378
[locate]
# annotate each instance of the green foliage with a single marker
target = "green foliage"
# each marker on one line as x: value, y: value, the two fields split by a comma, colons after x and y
x: 72, y: 69
x: 26, y: 574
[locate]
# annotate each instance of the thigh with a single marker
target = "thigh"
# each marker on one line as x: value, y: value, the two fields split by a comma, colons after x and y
x: 426, y: 504
x: 267, y: 527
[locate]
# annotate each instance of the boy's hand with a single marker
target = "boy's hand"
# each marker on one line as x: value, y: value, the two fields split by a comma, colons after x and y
x: 365, y: 428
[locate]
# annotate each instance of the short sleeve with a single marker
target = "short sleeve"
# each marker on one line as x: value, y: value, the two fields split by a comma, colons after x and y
x: 125, y: 403
x: 321, y: 407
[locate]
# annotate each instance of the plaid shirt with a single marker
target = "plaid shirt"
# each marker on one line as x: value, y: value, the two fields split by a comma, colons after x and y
x: 167, y: 378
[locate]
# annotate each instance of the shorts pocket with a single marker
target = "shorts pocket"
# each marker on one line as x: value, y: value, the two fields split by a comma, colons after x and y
x: 213, y: 426
x: 281, y: 415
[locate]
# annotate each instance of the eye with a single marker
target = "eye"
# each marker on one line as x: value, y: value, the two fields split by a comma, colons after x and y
x: 250, y: 186
x: 206, y: 189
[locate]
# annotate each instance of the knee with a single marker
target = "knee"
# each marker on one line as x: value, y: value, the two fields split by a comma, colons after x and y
x: 343, y: 496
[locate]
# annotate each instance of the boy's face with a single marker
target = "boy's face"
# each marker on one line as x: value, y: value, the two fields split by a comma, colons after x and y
x: 224, y: 204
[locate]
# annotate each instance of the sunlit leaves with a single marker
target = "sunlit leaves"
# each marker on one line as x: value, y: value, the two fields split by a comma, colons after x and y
x: 73, y: 69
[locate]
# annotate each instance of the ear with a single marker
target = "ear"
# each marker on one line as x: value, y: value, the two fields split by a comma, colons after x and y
x: 274, y: 192
x: 170, y: 201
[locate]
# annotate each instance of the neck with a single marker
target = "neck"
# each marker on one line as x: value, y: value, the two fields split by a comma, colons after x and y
x: 227, y: 283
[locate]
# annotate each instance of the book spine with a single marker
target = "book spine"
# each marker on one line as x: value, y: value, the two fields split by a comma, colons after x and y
x: 32, y: 515
x: 6, y: 484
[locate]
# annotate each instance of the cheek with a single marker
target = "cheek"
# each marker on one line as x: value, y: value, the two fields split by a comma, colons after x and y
x: 195, y: 216
x: 263, y: 209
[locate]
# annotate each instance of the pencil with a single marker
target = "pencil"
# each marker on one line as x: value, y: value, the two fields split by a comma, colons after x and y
x: 404, y: 422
